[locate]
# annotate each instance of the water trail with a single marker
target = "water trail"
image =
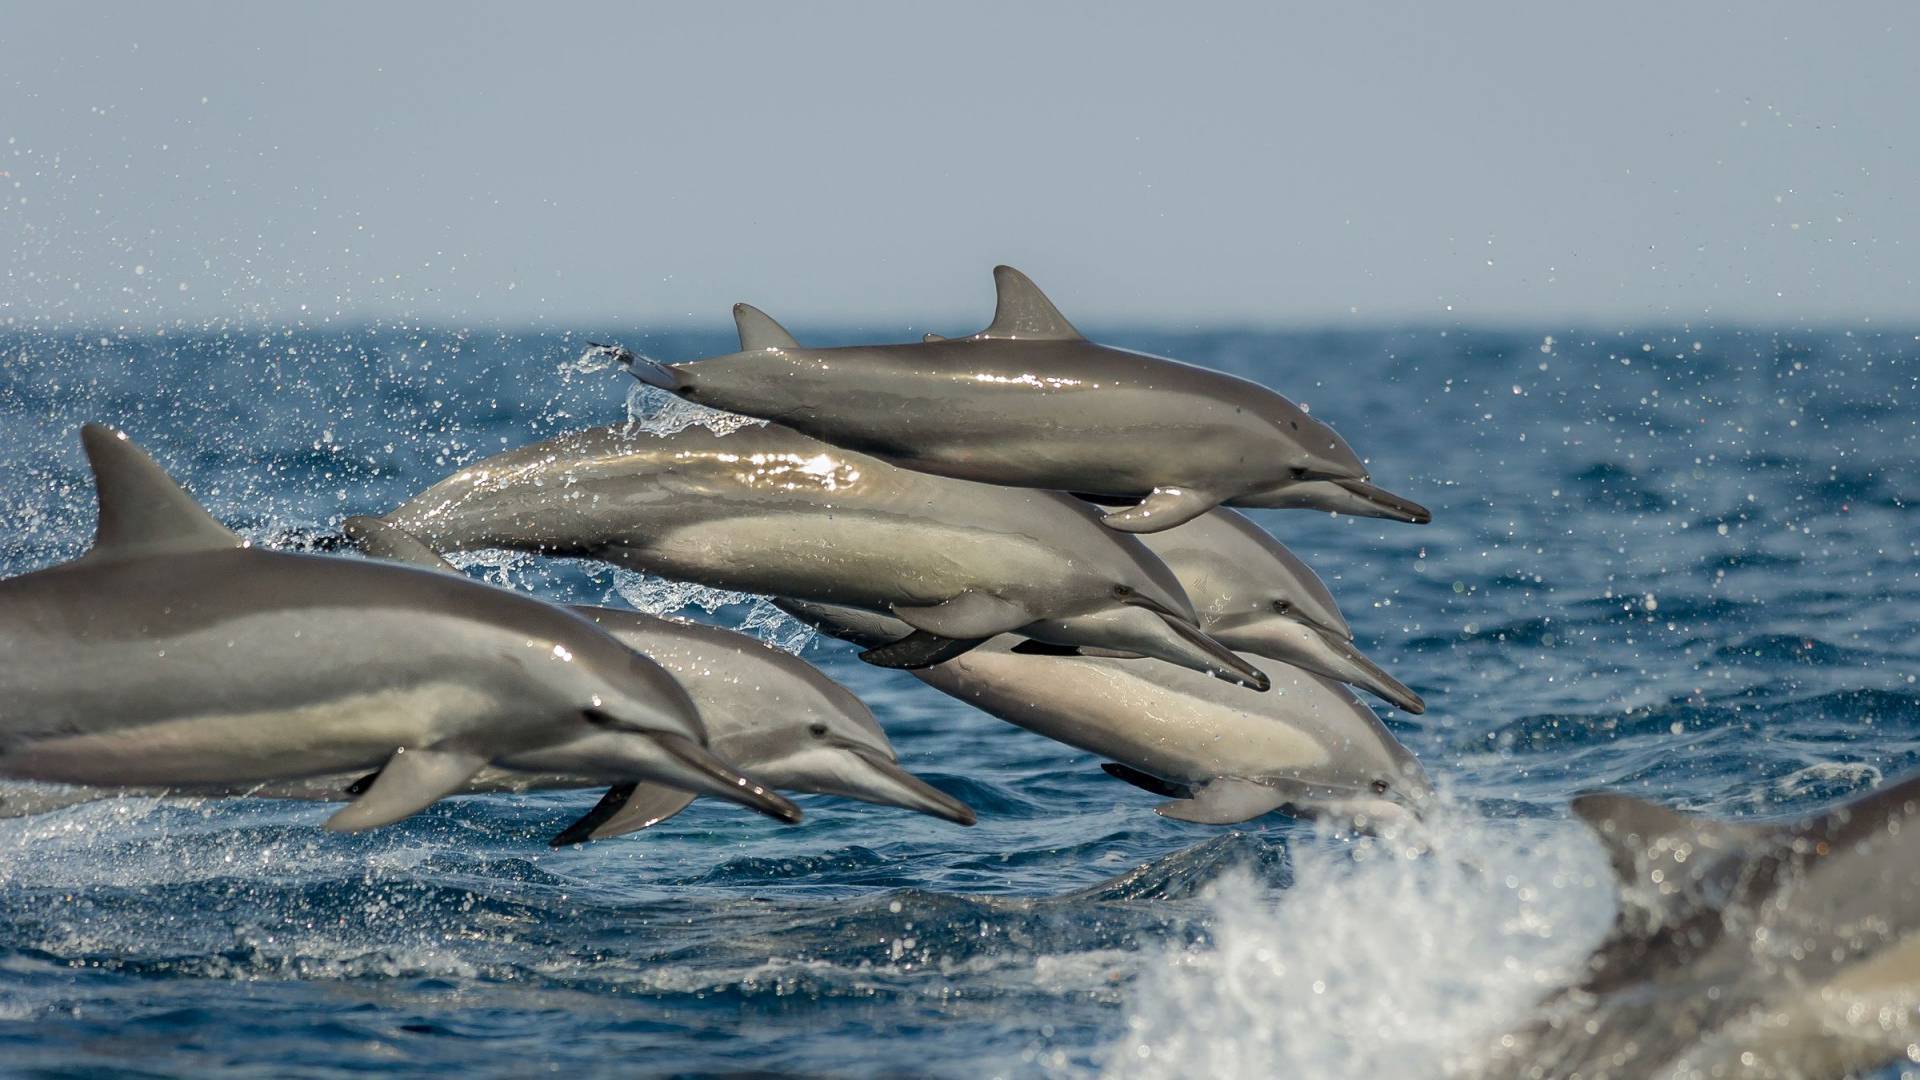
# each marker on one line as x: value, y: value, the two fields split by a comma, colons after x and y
x: 1382, y: 960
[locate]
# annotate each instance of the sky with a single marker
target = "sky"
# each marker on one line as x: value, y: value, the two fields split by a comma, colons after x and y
x: 1630, y: 164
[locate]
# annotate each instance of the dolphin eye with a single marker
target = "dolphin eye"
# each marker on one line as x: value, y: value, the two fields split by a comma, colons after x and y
x: 1281, y: 607
x: 1381, y: 787
x: 817, y: 730
x: 1123, y: 591
x: 1299, y: 472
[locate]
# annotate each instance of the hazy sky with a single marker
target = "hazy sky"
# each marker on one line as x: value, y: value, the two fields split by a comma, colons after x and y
x: 1623, y: 163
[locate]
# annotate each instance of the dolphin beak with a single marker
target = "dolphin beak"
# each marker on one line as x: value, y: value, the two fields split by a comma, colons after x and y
x: 1314, y: 648
x: 1369, y: 676
x: 699, y: 771
x: 1386, y: 504
x: 885, y: 783
x: 1202, y: 653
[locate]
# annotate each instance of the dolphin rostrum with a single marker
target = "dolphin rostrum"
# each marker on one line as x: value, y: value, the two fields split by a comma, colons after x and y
x: 1741, y: 948
x: 1255, y: 596
x: 174, y: 655
x: 1030, y: 402
x: 1224, y: 755
x: 772, y: 714
x: 768, y: 510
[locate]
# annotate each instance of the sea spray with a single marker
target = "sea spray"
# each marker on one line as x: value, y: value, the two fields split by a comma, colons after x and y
x: 1384, y: 958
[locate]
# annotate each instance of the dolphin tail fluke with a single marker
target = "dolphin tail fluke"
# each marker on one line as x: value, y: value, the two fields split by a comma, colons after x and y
x: 1161, y: 510
x: 411, y: 781
x: 623, y: 809
x: 919, y: 649
x: 759, y: 331
x: 645, y: 368
x: 1224, y: 801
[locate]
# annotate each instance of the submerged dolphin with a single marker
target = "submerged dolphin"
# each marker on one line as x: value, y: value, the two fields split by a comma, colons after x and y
x: 1742, y: 949
x: 1255, y: 596
x: 769, y: 713
x: 1308, y: 747
x: 768, y: 510
x: 173, y: 655
x: 1030, y: 402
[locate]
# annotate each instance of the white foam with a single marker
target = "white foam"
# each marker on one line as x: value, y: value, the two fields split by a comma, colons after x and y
x: 1379, y: 961
x: 658, y: 596
x: 657, y: 412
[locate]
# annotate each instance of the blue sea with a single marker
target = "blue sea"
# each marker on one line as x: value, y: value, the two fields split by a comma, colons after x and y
x: 1678, y: 563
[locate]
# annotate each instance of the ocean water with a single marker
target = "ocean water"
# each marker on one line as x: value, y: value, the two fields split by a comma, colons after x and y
x: 1678, y: 563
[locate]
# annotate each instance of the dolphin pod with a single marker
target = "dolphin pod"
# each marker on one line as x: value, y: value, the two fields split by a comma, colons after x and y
x: 1223, y: 754
x: 1031, y: 402
x: 1255, y: 596
x: 174, y: 655
x: 1741, y: 949
x: 767, y: 712
x: 768, y: 510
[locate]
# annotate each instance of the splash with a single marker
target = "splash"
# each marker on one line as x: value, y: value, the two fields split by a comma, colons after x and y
x: 657, y: 412
x: 1381, y: 960
x: 658, y: 596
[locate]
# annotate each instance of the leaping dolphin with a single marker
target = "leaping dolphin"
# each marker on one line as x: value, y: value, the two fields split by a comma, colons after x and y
x: 1741, y: 948
x: 172, y: 655
x: 768, y: 510
x: 1255, y: 596
x: 1031, y: 403
x: 1223, y: 755
x: 772, y: 714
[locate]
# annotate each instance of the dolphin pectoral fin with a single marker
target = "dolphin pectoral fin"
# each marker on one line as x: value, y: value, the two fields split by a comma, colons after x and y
x: 1161, y: 510
x: 645, y: 806
x: 759, y: 331
x: 385, y: 541
x: 360, y: 786
x: 623, y: 809
x: 411, y: 781
x: 919, y: 649
x: 581, y: 830
x: 1030, y: 647
x: 1146, y: 781
x: 1224, y: 801
x: 969, y: 615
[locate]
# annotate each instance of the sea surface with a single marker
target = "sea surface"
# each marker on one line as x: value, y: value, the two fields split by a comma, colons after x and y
x: 1679, y: 563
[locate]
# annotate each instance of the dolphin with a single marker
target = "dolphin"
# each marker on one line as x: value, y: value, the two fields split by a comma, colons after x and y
x: 1255, y: 596
x: 768, y: 510
x: 1222, y: 754
x: 1753, y: 949
x: 1029, y: 402
x: 172, y: 655
x: 770, y: 713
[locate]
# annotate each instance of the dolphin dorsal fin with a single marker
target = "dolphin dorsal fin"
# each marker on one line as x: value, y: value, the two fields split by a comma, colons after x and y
x: 759, y: 331
x: 1659, y: 854
x: 142, y: 511
x: 385, y: 541
x: 1024, y: 313
x: 1640, y: 836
